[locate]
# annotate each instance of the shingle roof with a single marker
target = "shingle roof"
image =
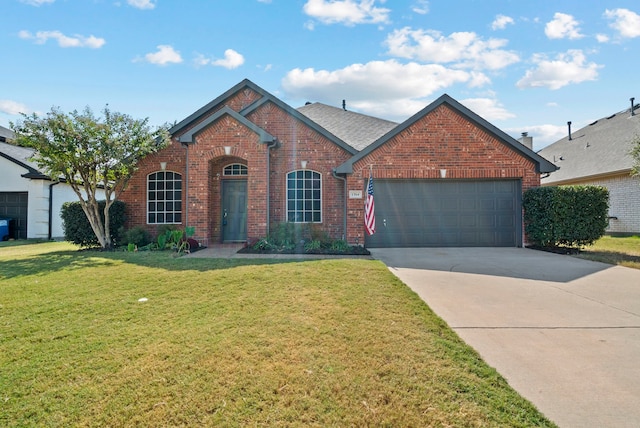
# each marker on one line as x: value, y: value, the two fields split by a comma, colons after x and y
x: 21, y: 156
x: 357, y: 130
x: 6, y: 133
x: 598, y: 149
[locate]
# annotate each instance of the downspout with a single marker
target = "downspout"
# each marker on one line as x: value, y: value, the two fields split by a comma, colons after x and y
x: 49, y: 235
x: 270, y: 146
x: 186, y: 185
x: 344, y: 214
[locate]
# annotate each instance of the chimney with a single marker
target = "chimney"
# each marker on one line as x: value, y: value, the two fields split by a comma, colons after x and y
x: 526, y: 140
x: 344, y: 105
x: 633, y: 113
x: 569, y: 126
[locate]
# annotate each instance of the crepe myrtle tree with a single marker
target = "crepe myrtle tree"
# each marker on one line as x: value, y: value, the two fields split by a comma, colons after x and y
x: 90, y: 154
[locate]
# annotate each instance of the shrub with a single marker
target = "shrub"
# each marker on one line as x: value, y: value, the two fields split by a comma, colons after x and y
x: 137, y: 235
x: 567, y: 216
x: 78, y: 230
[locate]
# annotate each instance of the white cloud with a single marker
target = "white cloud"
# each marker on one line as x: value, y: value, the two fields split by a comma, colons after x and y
x: 76, y: 41
x: 231, y: 60
x: 563, y: 26
x: 501, y: 22
x: 543, y: 135
x: 380, y: 88
x: 462, y: 49
x: 625, y: 21
x: 347, y: 12
x: 141, y: 4
x: 36, y: 2
x: 165, y: 55
x: 602, y: 38
x: 421, y: 7
x: 12, y: 107
x: 566, y: 68
x: 488, y: 108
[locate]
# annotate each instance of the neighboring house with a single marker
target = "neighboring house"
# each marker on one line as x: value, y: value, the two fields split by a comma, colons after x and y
x: 598, y: 154
x: 28, y: 196
x: 247, y: 160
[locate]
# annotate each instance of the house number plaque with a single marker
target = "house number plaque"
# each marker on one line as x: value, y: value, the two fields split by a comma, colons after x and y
x: 355, y: 194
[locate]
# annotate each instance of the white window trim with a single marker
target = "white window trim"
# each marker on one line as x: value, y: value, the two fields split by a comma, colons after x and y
x: 165, y: 201
x: 286, y: 198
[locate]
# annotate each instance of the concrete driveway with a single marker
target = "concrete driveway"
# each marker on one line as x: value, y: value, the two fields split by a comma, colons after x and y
x: 564, y: 332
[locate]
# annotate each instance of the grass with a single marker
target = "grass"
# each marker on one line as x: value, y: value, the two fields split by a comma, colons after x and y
x: 615, y: 250
x: 231, y: 342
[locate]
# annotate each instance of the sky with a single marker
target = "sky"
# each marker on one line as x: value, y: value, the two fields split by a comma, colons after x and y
x: 524, y: 66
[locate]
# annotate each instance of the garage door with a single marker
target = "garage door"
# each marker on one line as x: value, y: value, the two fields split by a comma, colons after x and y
x: 14, y: 205
x: 447, y: 213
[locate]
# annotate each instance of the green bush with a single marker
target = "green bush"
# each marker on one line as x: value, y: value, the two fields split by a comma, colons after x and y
x: 78, y: 230
x: 137, y: 235
x: 566, y: 216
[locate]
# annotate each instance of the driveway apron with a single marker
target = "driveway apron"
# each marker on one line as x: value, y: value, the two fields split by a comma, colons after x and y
x: 564, y: 332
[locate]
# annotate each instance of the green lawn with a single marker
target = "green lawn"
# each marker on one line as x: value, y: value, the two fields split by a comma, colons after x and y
x: 615, y: 251
x: 231, y: 343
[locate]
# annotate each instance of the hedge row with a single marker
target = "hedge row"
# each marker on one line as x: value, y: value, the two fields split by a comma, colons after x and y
x: 567, y: 216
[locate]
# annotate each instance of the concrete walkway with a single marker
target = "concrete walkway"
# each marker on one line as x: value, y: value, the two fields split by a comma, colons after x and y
x: 564, y: 332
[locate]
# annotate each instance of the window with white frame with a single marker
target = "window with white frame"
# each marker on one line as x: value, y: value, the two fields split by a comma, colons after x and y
x: 304, y: 197
x: 164, y: 197
x: 235, y: 169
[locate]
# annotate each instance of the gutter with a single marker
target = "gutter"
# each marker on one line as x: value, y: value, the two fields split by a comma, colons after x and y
x: 50, y: 233
x: 270, y: 145
x: 344, y: 214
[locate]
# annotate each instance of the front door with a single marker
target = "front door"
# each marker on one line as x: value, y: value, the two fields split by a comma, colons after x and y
x: 234, y: 210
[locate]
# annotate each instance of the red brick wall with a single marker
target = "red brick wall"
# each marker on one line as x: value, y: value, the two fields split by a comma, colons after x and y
x: 206, y: 159
x: 443, y: 139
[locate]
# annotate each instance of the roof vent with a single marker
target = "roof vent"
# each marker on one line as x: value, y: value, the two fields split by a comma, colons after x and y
x: 307, y: 103
x: 344, y: 105
x: 569, y: 126
x: 632, y: 112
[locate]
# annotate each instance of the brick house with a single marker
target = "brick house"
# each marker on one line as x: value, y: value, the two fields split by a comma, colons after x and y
x: 246, y: 160
x: 598, y: 155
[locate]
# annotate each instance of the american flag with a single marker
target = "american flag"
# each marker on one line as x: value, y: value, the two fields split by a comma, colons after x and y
x: 369, y: 209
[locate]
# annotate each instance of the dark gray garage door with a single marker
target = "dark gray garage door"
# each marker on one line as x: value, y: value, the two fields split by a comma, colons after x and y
x: 447, y: 213
x: 14, y: 205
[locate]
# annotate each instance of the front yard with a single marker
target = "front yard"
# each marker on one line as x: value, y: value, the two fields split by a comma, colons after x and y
x: 231, y: 343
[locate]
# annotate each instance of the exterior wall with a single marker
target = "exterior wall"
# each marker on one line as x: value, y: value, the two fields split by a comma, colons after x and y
x: 624, y: 201
x: 38, y: 200
x: 443, y: 139
x: 207, y: 159
x: 300, y: 143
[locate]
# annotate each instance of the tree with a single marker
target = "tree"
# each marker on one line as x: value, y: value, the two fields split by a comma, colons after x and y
x: 89, y: 154
x: 635, y: 154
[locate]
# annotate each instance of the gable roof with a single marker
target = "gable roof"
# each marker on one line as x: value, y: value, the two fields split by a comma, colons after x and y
x: 6, y: 134
x: 265, y: 97
x: 357, y: 130
x: 542, y: 165
x: 21, y: 156
x: 600, y: 148
x: 265, y: 137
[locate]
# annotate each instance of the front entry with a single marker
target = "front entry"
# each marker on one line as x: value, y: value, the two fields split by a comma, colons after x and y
x: 234, y: 210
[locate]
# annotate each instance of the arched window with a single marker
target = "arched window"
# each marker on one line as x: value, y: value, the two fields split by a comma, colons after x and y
x: 164, y: 197
x: 235, y: 170
x: 304, y: 197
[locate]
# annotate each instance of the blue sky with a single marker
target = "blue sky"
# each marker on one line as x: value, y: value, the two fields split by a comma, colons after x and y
x: 522, y: 65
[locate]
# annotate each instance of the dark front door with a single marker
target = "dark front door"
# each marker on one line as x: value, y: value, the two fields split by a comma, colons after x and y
x: 234, y: 210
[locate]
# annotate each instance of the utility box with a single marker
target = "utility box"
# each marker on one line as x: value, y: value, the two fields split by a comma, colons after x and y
x: 4, y: 228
